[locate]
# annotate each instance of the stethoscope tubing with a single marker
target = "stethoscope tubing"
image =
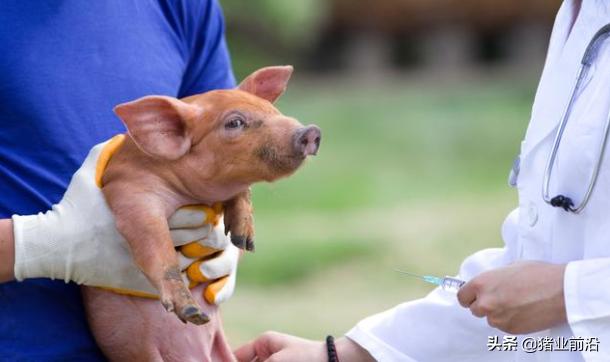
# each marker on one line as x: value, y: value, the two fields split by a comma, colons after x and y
x: 561, y: 200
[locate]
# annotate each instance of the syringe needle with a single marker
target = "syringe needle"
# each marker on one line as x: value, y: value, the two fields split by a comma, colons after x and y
x: 408, y: 273
x: 426, y: 278
x: 446, y: 283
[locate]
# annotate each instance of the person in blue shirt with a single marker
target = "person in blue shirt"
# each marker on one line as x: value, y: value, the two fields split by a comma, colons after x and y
x: 65, y: 65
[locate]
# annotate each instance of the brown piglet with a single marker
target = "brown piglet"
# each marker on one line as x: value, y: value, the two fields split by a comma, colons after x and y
x: 201, y: 149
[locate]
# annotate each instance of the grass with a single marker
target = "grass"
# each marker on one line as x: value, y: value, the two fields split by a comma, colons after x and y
x: 292, y: 263
x: 410, y: 174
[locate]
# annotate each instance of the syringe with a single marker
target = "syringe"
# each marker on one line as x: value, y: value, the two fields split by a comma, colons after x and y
x: 447, y: 283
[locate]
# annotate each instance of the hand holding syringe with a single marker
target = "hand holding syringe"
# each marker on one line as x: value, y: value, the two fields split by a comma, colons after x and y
x: 447, y: 283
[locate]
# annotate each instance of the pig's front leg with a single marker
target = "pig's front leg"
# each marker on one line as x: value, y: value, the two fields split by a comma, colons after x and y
x: 142, y: 220
x: 240, y: 221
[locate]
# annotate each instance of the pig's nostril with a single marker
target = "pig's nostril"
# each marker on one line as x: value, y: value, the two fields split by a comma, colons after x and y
x: 307, y: 140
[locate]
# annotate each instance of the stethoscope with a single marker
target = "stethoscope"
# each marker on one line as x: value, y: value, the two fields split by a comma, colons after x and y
x: 560, y: 200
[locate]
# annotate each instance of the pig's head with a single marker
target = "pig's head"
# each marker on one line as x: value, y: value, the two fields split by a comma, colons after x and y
x: 225, y: 138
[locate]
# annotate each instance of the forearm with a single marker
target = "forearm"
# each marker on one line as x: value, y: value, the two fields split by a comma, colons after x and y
x: 7, y: 251
x: 348, y: 350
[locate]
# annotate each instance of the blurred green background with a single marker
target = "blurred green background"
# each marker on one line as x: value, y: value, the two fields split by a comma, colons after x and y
x: 421, y: 121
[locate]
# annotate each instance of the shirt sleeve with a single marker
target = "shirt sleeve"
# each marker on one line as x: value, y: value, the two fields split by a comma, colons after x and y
x: 437, y: 328
x: 208, y: 65
x: 587, y: 299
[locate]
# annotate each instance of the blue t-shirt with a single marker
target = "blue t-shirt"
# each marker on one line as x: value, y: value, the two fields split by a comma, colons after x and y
x: 64, y: 65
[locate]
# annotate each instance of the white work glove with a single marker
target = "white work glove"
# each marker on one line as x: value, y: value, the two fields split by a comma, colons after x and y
x: 77, y: 240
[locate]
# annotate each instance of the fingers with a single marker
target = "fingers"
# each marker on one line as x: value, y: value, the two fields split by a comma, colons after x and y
x: 185, y: 236
x: 477, y: 310
x: 193, y: 216
x: 199, y: 231
x: 469, y: 297
x: 198, y: 223
x: 246, y: 353
x: 184, y: 262
x: 222, y: 265
x: 261, y: 348
x: 196, y: 250
x: 206, y: 236
x: 216, y: 238
x: 221, y: 290
x: 467, y: 293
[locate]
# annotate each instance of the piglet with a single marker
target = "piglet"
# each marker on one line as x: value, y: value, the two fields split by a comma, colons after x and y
x: 202, y: 149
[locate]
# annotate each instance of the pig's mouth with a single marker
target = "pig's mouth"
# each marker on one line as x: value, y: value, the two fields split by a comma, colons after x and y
x: 280, y: 164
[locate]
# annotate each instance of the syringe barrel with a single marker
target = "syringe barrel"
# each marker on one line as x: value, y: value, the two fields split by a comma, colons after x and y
x: 452, y: 284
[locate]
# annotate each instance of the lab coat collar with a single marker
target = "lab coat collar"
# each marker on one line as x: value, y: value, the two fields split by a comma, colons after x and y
x: 561, y: 69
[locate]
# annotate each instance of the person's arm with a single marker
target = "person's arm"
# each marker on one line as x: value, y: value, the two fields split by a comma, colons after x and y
x: 283, y: 347
x: 7, y: 251
x: 587, y: 300
x: 77, y: 240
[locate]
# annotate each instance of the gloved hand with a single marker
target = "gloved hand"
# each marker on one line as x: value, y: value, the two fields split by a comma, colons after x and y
x: 205, y: 264
x: 77, y: 240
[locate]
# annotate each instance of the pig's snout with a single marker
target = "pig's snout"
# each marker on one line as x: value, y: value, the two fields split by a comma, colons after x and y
x: 307, y: 140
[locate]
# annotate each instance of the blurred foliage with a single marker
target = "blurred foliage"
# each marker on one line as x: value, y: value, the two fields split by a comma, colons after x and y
x: 299, y: 258
x: 254, y: 35
x: 392, y: 142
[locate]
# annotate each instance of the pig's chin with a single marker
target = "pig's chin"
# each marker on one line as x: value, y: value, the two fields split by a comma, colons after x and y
x: 278, y: 164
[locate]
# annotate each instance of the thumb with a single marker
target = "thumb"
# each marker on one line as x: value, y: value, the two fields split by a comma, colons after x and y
x: 467, y: 294
x: 262, y: 347
x: 246, y: 353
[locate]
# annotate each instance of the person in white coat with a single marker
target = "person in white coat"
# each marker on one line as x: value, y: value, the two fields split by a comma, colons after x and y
x: 550, y: 284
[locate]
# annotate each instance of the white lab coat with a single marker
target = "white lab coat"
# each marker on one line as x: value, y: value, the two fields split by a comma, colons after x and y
x: 436, y: 328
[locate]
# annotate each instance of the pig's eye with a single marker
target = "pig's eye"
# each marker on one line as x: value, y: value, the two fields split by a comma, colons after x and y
x: 235, y: 122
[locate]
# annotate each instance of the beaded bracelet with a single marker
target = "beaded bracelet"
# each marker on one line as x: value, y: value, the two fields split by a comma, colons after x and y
x: 331, y: 349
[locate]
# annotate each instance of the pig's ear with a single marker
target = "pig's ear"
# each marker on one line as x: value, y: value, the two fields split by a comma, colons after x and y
x: 268, y: 83
x: 159, y: 125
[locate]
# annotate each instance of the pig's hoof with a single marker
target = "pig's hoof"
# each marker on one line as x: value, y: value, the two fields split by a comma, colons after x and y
x: 194, y: 315
x: 168, y: 305
x: 239, y: 240
x: 250, y: 244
